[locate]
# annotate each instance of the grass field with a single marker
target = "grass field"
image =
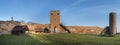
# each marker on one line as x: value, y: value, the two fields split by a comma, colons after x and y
x: 58, y: 39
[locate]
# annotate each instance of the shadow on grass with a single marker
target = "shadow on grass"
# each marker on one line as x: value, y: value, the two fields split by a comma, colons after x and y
x: 52, y: 39
x: 19, y: 40
x: 57, y: 39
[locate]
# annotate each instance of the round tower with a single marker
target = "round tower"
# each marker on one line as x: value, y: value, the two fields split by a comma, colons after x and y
x: 112, y: 22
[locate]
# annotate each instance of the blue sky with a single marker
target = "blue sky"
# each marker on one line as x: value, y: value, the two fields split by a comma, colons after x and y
x: 73, y: 12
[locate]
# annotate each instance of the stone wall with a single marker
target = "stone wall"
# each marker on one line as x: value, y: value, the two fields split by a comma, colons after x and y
x: 37, y: 26
x: 5, y: 28
x: 8, y: 25
x: 73, y: 29
x: 85, y: 29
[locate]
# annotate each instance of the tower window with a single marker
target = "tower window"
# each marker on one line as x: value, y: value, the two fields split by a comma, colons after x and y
x: 58, y: 14
x: 51, y: 13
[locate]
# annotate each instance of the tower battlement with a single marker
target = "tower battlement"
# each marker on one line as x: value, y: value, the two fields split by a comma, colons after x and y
x: 54, y: 11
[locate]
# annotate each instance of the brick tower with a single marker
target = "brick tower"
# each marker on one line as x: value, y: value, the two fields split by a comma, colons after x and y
x: 55, y: 21
x: 112, y: 22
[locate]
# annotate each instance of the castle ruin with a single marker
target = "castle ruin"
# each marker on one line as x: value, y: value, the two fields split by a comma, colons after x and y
x: 55, y: 26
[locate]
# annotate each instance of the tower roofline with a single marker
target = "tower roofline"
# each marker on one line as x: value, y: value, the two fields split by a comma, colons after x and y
x: 112, y: 13
x: 54, y: 11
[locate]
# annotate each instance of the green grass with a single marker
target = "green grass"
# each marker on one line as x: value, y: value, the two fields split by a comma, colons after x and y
x: 58, y: 39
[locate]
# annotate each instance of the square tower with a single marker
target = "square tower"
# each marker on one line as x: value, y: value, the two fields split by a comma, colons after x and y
x: 55, y: 21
